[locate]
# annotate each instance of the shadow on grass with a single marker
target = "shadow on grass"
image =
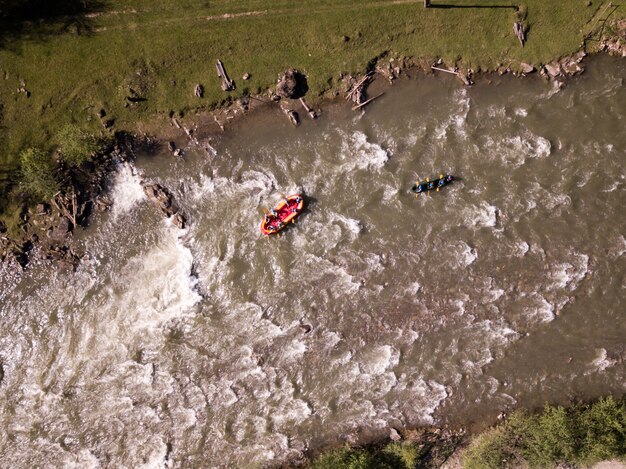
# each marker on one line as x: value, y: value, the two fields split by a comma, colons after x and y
x: 447, y: 5
x: 39, y: 19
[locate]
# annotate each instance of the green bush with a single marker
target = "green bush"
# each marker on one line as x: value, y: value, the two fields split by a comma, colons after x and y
x: 344, y: 458
x: 76, y: 145
x: 493, y: 449
x: 579, y: 435
x: 390, y: 457
x: 406, y: 454
x: 38, y: 174
x: 549, y: 438
x: 603, y: 431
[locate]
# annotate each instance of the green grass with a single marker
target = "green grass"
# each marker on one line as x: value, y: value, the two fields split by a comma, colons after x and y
x: 162, y: 48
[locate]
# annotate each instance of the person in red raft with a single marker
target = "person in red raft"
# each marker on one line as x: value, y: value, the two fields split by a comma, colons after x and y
x: 286, y: 210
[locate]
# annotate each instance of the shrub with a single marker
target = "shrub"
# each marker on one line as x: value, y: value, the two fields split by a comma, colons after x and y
x: 38, y: 174
x: 344, y: 458
x: 580, y: 435
x: 603, y: 431
x: 76, y: 145
x: 407, y: 455
x: 548, y: 438
x: 491, y: 450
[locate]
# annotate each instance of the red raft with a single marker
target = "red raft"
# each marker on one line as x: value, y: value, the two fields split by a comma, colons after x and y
x: 278, y: 218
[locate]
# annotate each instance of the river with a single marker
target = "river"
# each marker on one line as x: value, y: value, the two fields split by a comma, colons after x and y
x: 215, y: 346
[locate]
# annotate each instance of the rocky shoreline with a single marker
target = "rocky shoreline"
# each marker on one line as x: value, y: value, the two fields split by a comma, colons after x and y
x: 47, y: 228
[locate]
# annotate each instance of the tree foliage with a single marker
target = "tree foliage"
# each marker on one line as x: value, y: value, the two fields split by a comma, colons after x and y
x: 38, y: 174
x: 76, y: 145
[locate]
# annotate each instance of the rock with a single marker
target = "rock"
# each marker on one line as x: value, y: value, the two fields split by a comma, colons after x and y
x: 394, y: 435
x: 572, y: 68
x: 42, y: 209
x: 306, y: 328
x: 3, y: 227
x: 171, y: 146
x: 527, y: 68
x: 293, y: 116
x: 553, y: 70
x: 101, y: 113
x: 103, y: 203
x: 199, y: 90
x: 109, y: 123
x: 178, y: 153
x: 160, y: 196
x: 179, y: 221
x: 292, y: 85
x: 246, y: 76
x: 61, y: 230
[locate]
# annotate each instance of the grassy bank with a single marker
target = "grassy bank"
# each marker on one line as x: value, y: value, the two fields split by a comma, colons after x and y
x: 581, y: 435
x: 88, y: 55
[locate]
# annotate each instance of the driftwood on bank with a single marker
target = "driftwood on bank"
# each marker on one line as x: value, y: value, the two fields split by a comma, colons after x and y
x: 518, y: 28
x: 227, y: 83
x: 358, y: 106
x: 293, y: 116
x: 67, y: 205
x: 465, y: 78
x: 356, y: 92
x: 308, y: 109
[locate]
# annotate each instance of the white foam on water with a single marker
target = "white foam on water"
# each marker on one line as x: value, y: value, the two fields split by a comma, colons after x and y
x: 413, y: 288
x: 456, y: 121
x: 389, y: 193
x: 377, y: 360
x: 541, y: 310
x: 292, y: 412
x: 157, y: 286
x: 568, y: 275
x: 126, y: 191
x: 521, y: 249
x: 420, y: 397
x: 614, y: 185
x: 521, y: 112
x: 463, y: 254
x: 514, y: 150
x: 353, y: 226
x: 293, y: 351
x: 359, y: 153
x: 601, y: 362
x: 481, y: 216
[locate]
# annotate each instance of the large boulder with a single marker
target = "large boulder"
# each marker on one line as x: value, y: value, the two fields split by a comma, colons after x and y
x: 292, y: 85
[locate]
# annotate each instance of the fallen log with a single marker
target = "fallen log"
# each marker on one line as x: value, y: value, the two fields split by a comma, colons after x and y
x: 227, y: 83
x: 293, y: 116
x: 308, y: 109
x: 445, y: 70
x: 518, y: 28
x: 359, y: 85
x: 366, y: 102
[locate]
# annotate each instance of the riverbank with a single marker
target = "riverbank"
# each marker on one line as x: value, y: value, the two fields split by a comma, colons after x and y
x: 110, y: 67
x: 582, y: 435
x: 23, y: 225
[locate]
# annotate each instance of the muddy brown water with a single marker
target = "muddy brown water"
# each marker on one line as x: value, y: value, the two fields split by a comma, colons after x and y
x: 504, y: 290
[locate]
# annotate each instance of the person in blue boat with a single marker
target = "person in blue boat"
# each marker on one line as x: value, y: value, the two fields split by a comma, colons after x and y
x: 441, y: 182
